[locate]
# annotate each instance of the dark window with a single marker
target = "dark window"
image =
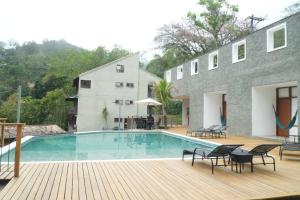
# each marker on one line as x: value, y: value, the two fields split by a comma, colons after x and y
x: 117, y: 119
x: 130, y: 85
x: 279, y: 38
x: 241, y: 51
x: 196, y: 67
x: 215, y: 61
x: 85, y: 83
x: 120, y: 68
x: 119, y: 84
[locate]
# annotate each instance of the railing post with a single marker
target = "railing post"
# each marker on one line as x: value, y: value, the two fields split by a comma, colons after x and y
x: 2, y: 120
x: 18, y: 149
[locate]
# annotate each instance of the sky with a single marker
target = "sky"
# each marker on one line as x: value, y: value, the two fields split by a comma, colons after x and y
x: 131, y: 24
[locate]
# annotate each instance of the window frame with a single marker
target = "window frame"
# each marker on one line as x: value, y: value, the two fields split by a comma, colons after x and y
x: 235, y: 51
x: 179, y: 72
x: 211, y: 60
x: 193, y: 72
x: 270, y: 37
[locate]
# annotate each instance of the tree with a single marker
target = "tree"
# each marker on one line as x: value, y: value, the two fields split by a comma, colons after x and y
x: 201, y: 32
x: 162, y: 91
x: 169, y: 59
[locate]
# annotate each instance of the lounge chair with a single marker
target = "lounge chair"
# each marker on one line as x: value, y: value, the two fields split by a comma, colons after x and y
x: 262, y: 151
x: 220, y: 131
x: 202, y: 131
x: 294, y: 146
x: 219, y: 151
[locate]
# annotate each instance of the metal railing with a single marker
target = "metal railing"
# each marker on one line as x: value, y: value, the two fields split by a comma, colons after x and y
x: 7, y: 148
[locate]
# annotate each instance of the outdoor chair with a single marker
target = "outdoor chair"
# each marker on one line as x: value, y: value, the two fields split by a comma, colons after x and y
x: 202, y: 132
x: 218, y: 152
x: 262, y: 152
x: 290, y: 146
x: 219, y: 131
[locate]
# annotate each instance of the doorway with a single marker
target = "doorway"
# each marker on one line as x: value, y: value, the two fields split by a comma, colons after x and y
x: 286, y: 107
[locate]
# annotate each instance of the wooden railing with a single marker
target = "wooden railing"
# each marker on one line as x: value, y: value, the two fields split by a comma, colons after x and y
x: 19, y: 129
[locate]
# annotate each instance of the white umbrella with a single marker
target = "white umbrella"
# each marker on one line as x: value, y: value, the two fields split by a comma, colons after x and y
x: 149, y: 102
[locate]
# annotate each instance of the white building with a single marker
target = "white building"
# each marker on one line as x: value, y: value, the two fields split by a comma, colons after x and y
x: 116, y: 86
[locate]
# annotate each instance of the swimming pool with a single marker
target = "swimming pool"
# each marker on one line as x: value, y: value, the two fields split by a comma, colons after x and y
x: 105, y: 146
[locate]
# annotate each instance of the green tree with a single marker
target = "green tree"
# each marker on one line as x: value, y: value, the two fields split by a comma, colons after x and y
x: 162, y: 91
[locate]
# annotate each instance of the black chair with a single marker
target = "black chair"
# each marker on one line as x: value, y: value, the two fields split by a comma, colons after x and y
x: 262, y: 151
x: 219, y: 151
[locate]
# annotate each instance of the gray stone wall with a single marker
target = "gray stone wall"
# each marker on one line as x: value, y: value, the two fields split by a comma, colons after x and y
x: 237, y: 79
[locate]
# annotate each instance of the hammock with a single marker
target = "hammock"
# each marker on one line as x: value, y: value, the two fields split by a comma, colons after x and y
x: 222, y: 118
x: 290, y: 124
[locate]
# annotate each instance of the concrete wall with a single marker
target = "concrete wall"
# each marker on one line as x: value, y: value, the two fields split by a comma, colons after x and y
x: 237, y: 79
x: 103, y: 92
x: 185, y: 107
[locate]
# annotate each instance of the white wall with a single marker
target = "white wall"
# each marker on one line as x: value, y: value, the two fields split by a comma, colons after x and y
x: 212, y: 105
x: 263, y: 118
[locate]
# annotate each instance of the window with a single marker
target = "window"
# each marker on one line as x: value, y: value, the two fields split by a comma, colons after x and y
x: 120, y: 68
x: 179, y: 72
x: 168, y: 76
x: 119, y: 84
x: 129, y: 102
x: 194, y: 67
x: 130, y: 85
x: 213, y: 60
x: 85, y: 83
x: 239, y: 51
x: 276, y: 38
x: 117, y: 119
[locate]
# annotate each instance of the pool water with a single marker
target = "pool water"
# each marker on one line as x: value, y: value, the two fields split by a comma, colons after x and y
x: 105, y: 146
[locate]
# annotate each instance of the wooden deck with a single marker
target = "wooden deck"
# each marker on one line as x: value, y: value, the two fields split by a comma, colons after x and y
x: 161, y: 179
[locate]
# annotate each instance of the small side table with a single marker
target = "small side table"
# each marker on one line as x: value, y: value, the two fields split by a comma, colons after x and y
x: 241, y: 157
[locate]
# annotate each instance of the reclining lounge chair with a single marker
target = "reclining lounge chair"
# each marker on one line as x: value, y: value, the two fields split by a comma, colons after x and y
x: 262, y: 151
x: 294, y: 146
x: 219, y: 151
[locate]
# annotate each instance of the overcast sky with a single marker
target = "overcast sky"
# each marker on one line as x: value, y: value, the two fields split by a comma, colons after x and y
x: 132, y: 24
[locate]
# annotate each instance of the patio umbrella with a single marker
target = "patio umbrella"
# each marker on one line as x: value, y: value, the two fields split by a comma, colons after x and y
x: 149, y: 102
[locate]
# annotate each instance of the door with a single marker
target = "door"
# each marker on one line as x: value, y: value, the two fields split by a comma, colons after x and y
x: 284, y: 113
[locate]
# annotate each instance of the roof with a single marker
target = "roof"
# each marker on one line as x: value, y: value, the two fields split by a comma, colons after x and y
x: 107, y: 64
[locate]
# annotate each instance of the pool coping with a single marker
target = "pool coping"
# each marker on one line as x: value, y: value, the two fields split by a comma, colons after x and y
x: 12, y: 145
x: 27, y: 138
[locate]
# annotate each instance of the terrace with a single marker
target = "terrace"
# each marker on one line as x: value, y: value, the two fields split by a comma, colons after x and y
x: 155, y: 179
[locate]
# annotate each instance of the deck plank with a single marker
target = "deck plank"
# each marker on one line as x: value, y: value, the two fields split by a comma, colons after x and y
x: 62, y: 183
x: 75, y: 187
x: 93, y: 181
x: 50, y: 182
x: 69, y: 182
x: 100, y: 183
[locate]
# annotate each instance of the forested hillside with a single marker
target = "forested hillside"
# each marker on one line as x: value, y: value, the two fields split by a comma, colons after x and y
x: 45, y: 72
